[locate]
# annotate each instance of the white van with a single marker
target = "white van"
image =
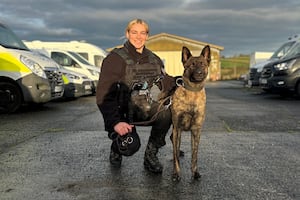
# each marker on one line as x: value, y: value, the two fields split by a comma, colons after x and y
x: 74, y: 62
x: 90, y: 52
x: 76, y: 84
x: 25, y: 77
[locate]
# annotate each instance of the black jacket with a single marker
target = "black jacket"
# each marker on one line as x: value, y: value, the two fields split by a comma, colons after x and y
x: 111, y: 102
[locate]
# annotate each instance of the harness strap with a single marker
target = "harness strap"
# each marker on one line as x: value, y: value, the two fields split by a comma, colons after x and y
x: 160, y: 108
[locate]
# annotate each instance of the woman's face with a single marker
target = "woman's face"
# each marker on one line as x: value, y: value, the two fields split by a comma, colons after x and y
x: 137, y: 36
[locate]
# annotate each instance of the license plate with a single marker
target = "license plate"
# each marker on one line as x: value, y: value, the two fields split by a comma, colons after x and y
x: 264, y: 81
x: 87, y: 87
x: 250, y: 83
x: 58, y: 88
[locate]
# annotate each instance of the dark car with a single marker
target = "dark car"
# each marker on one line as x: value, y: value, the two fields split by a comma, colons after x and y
x: 255, y: 71
x: 283, y: 76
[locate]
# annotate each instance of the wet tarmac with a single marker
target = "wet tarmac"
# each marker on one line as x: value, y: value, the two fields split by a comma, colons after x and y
x: 247, y: 151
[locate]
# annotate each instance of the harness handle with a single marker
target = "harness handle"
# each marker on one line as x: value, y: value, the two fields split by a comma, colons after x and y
x: 160, y: 108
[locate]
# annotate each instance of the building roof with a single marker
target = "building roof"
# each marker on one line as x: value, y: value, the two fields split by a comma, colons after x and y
x: 180, y: 41
x: 169, y: 42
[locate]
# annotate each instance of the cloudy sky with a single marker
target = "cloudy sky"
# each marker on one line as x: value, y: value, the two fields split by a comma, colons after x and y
x: 240, y: 26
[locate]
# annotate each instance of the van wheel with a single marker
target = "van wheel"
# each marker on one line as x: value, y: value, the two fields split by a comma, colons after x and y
x: 10, y: 97
x: 298, y: 89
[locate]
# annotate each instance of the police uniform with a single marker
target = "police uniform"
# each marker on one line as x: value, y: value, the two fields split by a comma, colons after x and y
x: 123, y: 71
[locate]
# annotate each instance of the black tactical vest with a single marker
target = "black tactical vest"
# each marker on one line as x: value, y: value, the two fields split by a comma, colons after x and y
x: 140, y: 78
x: 136, y: 73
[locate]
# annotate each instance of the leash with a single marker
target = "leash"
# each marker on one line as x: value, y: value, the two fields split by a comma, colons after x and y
x: 162, y: 106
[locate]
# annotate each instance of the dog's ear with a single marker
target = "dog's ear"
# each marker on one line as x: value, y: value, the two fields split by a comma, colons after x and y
x: 185, y: 54
x: 206, y: 53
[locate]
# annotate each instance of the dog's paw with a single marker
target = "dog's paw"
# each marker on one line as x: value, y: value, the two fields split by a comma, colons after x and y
x: 196, y: 176
x: 176, y: 177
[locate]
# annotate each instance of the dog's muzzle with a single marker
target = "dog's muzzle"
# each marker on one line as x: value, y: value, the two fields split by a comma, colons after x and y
x: 198, y: 76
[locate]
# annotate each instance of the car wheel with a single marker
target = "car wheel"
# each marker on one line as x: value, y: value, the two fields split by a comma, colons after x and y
x: 298, y: 89
x: 286, y: 94
x: 11, y: 97
x: 266, y: 90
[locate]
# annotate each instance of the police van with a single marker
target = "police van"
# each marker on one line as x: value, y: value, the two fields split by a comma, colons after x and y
x: 25, y: 77
x: 90, y: 52
x: 76, y: 84
x: 74, y: 62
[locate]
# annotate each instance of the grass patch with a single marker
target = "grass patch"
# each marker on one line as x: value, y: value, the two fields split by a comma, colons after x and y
x: 234, y: 67
x: 227, y: 127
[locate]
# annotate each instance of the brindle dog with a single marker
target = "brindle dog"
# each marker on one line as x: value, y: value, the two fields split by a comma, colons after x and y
x: 188, y: 106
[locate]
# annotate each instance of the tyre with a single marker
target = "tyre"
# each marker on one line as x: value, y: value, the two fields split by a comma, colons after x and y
x: 266, y: 90
x: 297, y: 91
x: 11, y: 97
x: 286, y: 94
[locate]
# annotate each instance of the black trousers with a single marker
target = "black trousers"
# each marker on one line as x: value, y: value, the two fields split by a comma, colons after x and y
x: 161, y: 124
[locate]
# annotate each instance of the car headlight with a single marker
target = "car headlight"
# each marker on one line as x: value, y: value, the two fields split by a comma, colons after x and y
x: 34, y: 66
x: 285, y: 65
x: 259, y: 70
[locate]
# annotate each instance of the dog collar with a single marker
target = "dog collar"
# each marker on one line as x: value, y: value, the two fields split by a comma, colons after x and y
x: 191, y: 88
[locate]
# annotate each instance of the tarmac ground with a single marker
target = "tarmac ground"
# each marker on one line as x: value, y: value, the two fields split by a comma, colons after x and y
x: 249, y: 149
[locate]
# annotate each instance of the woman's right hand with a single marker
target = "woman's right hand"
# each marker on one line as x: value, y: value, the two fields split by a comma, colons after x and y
x: 122, y: 128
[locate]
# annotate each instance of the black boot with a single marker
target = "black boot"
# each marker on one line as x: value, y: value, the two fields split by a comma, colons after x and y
x: 151, y: 161
x: 115, y: 158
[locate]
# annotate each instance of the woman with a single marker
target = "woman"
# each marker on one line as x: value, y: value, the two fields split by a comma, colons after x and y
x: 125, y: 67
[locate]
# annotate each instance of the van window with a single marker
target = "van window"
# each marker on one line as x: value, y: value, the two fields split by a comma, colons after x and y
x: 63, y: 59
x: 79, y: 58
x: 83, y: 54
x: 281, y: 51
x: 294, y: 51
x: 98, y: 60
x: 9, y: 40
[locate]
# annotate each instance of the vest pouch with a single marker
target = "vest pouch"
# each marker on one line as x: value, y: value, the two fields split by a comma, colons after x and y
x: 140, y: 104
x: 141, y: 73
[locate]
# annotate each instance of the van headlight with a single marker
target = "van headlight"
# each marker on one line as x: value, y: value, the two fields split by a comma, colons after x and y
x: 72, y: 76
x: 93, y: 72
x: 34, y: 66
x: 285, y: 65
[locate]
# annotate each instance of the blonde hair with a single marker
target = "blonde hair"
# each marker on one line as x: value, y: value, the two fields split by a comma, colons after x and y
x: 137, y: 21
